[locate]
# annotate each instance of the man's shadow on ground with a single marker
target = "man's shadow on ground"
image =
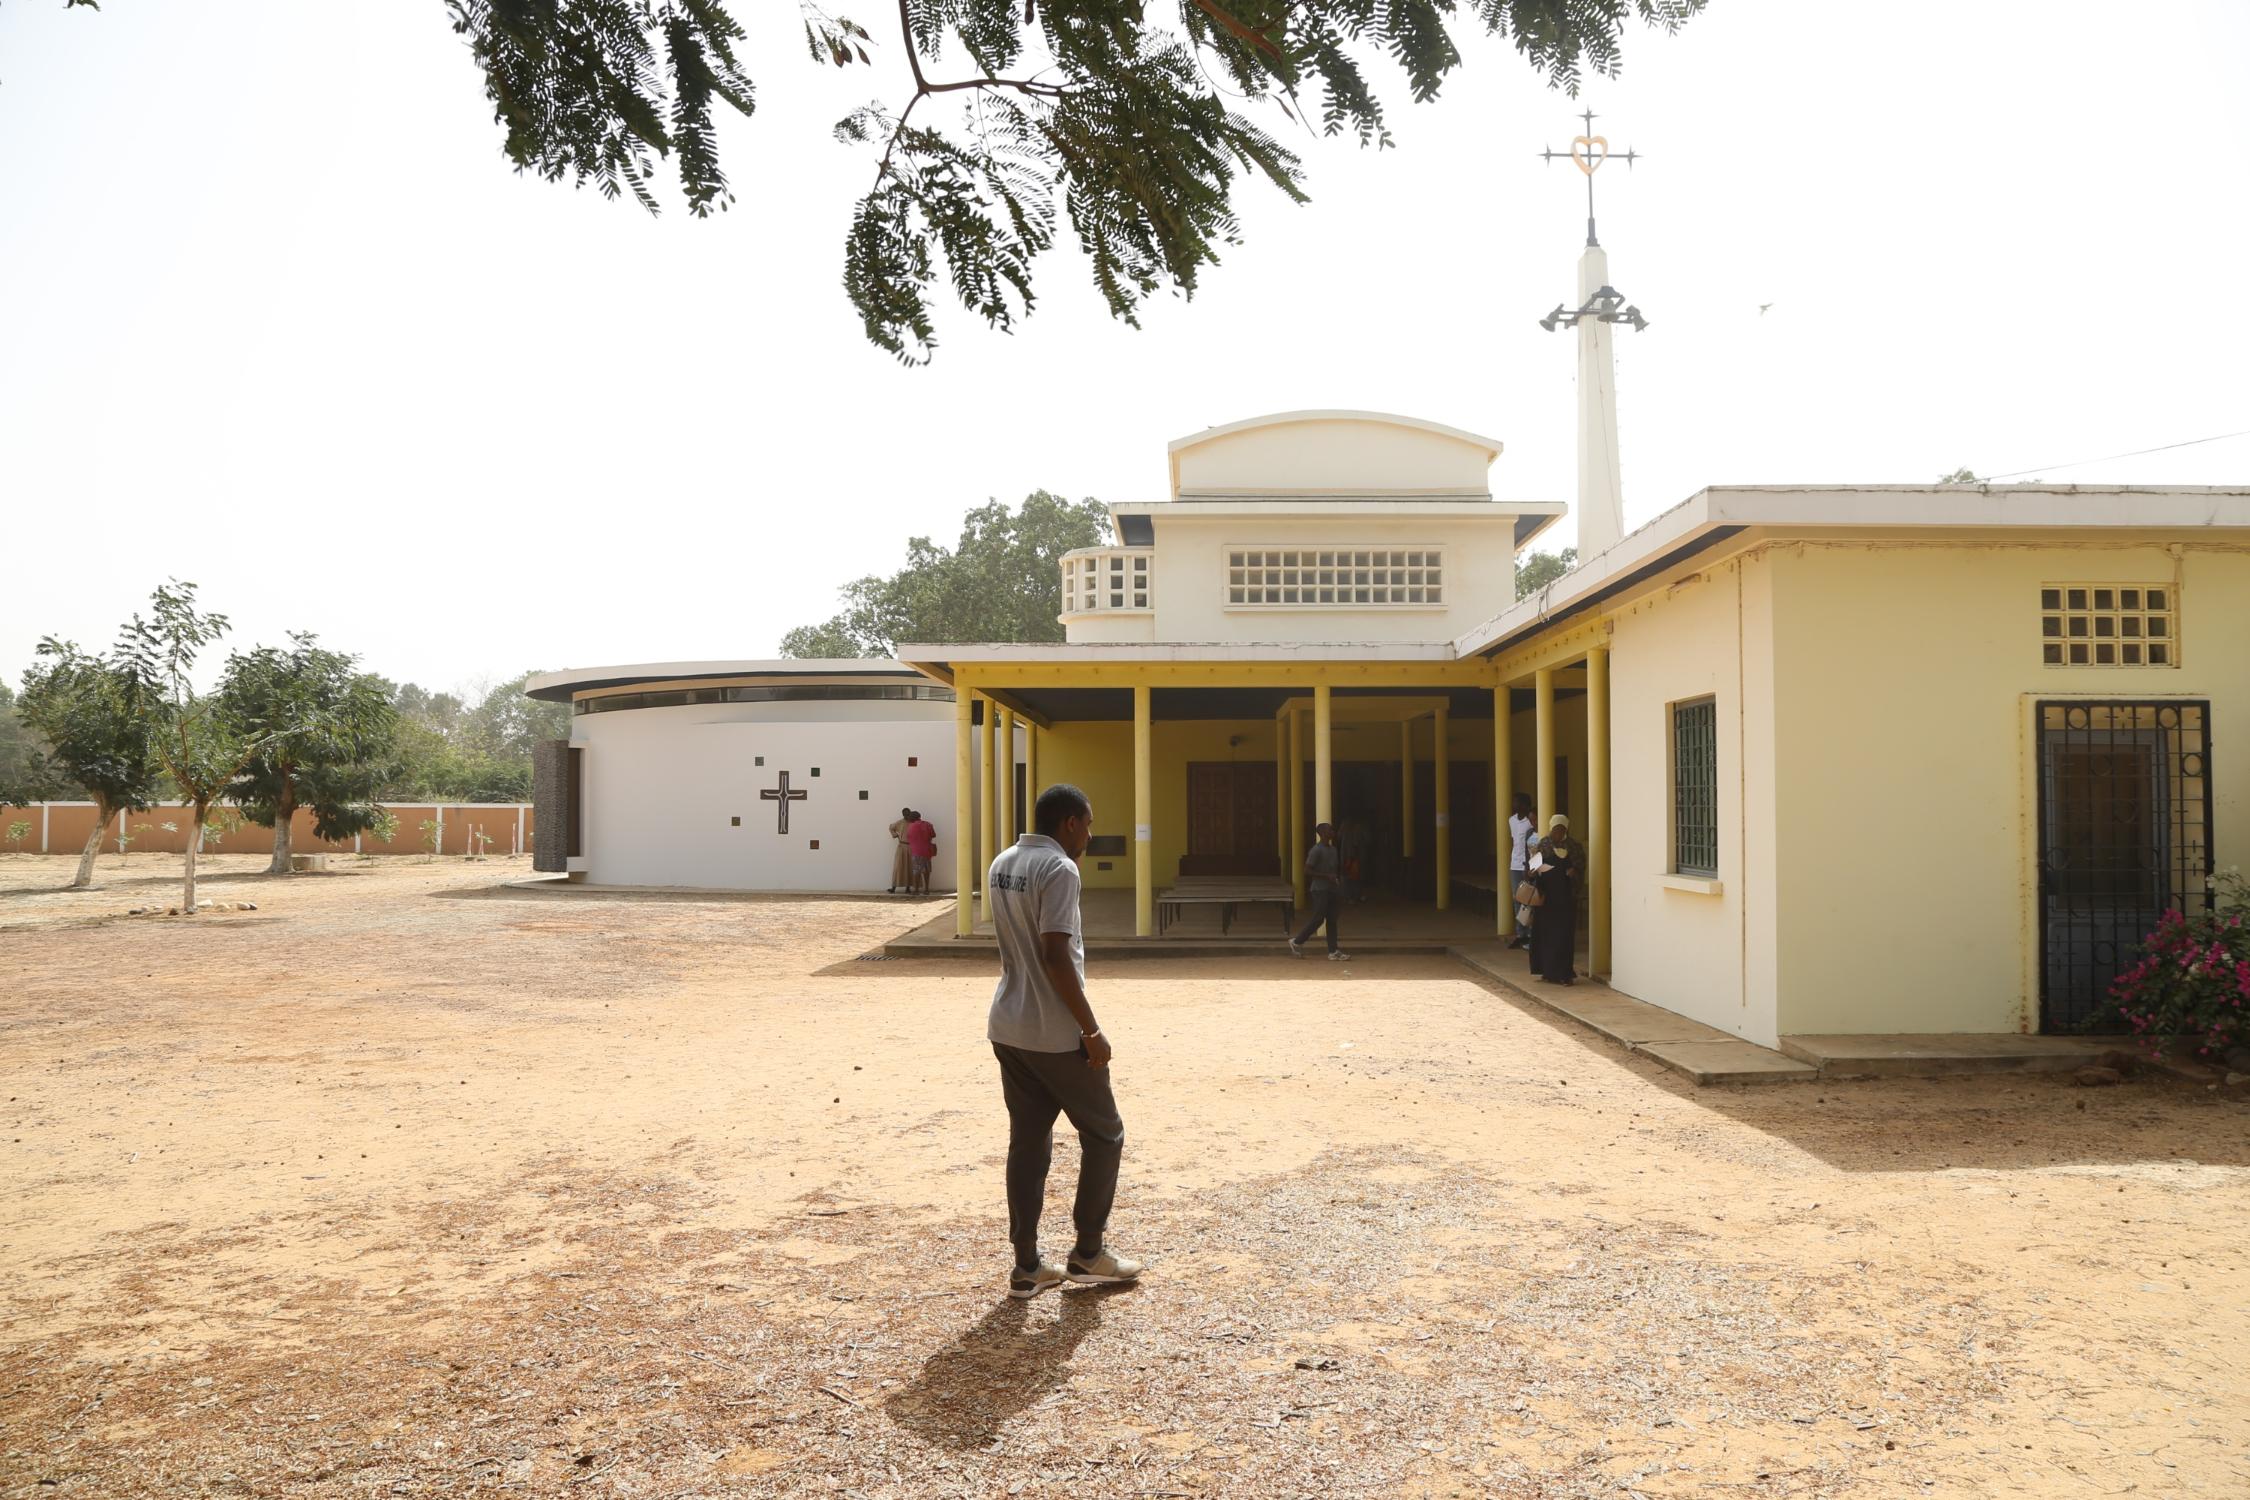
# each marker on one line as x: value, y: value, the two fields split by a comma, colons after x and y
x: 992, y: 1372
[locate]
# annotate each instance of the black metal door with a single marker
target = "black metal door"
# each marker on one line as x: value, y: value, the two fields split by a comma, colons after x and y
x: 2124, y: 836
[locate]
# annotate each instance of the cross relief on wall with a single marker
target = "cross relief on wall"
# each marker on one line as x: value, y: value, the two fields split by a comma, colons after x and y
x: 782, y: 796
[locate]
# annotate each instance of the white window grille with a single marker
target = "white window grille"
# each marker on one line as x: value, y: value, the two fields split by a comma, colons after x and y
x: 1335, y: 577
x: 2109, y: 625
x: 1105, y: 578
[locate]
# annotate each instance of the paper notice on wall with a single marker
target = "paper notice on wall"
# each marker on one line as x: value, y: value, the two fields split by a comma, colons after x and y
x: 1443, y: 819
x: 1141, y: 834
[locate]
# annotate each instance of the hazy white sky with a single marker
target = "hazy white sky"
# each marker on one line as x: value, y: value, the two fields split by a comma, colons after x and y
x: 276, y: 316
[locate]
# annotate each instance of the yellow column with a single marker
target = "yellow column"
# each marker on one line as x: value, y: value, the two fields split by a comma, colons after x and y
x: 1444, y: 764
x: 1406, y: 788
x: 1144, y: 808
x: 1007, y: 777
x: 1030, y: 775
x: 1597, y: 810
x: 1543, y: 735
x: 1324, y: 789
x: 1296, y: 720
x: 1503, y: 795
x: 964, y: 813
x: 988, y: 821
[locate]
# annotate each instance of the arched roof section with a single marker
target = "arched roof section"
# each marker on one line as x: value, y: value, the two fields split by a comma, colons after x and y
x: 1331, y: 452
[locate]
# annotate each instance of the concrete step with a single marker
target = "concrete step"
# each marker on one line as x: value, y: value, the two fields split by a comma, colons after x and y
x: 1702, y: 1053
x: 1940, y: 1055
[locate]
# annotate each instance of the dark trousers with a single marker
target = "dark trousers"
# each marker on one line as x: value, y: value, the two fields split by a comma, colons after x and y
x: 1038, y: 1086
x: 1324, y: 903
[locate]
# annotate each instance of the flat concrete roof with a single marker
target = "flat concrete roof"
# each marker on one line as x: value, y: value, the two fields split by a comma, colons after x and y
x: 559, y: 687
x: 1711, y: 515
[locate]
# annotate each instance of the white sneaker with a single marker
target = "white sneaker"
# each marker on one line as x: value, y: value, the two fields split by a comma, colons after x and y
x: 1296, y: 949
x: 1339, y: 957
x: 1024, y: 1285
x: 1104, y: 1269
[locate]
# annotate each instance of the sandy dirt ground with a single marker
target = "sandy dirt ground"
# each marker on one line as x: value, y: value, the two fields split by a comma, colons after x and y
x: 411, y: 1184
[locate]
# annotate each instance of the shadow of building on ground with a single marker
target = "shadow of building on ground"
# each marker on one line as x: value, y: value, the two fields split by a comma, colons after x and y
x: 1014, y: 1356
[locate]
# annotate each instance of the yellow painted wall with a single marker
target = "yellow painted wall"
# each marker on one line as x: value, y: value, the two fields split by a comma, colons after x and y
x: 1907, y: 814
x: 1098, y: 758
x: 1692, y: 951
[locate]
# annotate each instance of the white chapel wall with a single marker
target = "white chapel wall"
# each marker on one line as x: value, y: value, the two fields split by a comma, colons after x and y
x: 1707, y: 956
x: 662, y: 785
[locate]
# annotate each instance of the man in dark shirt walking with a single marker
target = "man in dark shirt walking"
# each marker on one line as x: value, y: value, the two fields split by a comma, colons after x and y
x: 1321, y: 877
x: 1053, y: 1057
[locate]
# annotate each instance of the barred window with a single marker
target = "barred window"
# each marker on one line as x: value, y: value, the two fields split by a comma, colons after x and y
x: 1695, y: 788
x: 2109, y: 625
x: 1341, y: 577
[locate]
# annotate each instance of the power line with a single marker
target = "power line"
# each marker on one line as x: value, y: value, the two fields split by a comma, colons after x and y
x: 2105, y: 458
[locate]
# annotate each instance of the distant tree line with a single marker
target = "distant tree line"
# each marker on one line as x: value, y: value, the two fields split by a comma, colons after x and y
x: 284, y: 728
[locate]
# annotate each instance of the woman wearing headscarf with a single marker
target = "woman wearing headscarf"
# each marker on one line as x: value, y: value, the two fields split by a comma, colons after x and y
x: 1554, y: 936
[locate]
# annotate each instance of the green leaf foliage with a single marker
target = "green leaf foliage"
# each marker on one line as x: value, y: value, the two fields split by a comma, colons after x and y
x: 1542, y: 568
x: 1001, y: 582
x: 28, y: 773
x: 89, y: 712
x: 332, y: 767
x: 1137, y: 124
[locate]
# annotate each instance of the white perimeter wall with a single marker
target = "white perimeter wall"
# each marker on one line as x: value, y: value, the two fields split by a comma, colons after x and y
x: 1708, y: 956
x: 663, y: 783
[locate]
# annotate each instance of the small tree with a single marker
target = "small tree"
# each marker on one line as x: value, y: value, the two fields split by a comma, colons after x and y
x: 332, y: 769
x: 201, y: 744
x: 430, y: 827
x: 224, y: 825
x: 89, y: 709
x: 18, y: 831
x: 384, y: 825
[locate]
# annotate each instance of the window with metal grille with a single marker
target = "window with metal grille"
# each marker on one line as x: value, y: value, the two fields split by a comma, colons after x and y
x: 2109, y: 625
x: 1695, y: 788
x: 1335, y: 578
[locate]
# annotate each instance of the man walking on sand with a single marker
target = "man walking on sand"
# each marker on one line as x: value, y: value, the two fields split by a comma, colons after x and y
x: 1053, y: 1056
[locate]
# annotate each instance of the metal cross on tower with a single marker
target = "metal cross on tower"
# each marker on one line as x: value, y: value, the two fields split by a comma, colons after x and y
x: 1589, y: 151
x: 784, y: 796
x: 1603, y: 303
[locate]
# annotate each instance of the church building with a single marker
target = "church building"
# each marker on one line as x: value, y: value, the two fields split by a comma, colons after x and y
x: 1845, y: 759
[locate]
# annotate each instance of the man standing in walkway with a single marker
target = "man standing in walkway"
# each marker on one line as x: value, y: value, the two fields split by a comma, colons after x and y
x: 1053, y: 1056
x: 1521, y: 838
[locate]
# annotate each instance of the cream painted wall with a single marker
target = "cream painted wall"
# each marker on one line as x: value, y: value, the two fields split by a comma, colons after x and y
x: 1686, y: 950
x: 662, y: 784
x: 1907, y: 829
x: 1190, y: 575
x: 1333, y: 454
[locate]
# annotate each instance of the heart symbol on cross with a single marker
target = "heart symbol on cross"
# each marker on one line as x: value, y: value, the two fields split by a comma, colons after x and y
x: 1589, y: 151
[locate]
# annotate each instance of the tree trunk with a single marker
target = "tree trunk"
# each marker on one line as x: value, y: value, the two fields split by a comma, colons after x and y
x: 194, y: 844
x: 284, y: 813
x: 85, y: 876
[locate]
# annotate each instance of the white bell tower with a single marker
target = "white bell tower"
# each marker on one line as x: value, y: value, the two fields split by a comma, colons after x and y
x: 1601, y: 496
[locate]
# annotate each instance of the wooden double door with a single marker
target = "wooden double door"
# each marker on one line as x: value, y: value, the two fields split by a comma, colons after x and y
x: 1230, y: 818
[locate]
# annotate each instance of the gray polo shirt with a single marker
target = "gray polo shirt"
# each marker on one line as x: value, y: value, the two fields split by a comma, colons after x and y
x: 1034, y: 888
